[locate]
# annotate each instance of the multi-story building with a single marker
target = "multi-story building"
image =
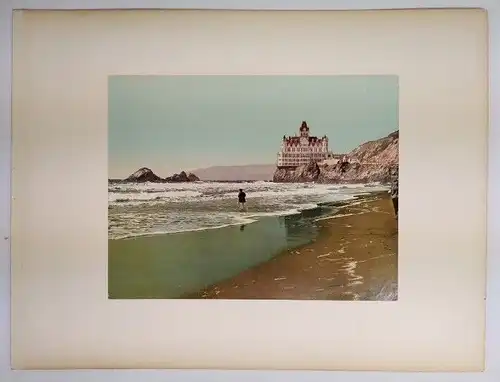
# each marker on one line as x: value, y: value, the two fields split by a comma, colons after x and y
x: 301, y: 149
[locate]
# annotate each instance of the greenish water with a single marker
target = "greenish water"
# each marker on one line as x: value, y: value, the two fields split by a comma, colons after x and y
x: 171, y: 265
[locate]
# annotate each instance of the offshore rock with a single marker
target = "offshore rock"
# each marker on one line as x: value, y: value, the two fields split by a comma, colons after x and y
x: 144, y: 175
x: 182, y: 177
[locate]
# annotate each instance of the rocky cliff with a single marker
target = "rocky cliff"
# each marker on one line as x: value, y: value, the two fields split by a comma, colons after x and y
x: 145, y: 174
x: 305, y: 173
x: 369, y: 162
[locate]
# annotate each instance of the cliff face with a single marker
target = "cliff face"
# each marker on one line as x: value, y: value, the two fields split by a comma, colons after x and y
x: 375, y: 158
x: 305, y: 173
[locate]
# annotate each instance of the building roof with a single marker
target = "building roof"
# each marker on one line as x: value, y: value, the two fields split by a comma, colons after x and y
x: 296, y: 140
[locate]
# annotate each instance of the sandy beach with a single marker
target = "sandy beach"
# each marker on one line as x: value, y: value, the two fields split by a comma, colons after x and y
x: 354, y: 257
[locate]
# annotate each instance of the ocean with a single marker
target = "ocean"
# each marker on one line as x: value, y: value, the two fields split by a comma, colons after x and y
x: 158, y: 208
x: 170, y: 239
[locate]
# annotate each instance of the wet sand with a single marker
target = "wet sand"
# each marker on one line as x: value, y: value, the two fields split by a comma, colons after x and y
x: 353, y: 258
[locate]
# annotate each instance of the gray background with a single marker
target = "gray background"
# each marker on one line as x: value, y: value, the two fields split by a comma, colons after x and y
x: 493, y: 300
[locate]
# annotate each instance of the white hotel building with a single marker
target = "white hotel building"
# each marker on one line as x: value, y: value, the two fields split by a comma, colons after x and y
x: 301, y: 149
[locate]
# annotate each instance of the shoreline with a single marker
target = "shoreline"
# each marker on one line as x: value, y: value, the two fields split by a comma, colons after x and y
x: 254, y: 218
x: 353, y: 257
x: 180, y: 265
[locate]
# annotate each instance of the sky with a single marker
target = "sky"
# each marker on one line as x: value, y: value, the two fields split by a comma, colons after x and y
x: 175, y: 123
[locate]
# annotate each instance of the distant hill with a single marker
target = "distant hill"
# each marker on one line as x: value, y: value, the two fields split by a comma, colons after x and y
x: 237, y: 173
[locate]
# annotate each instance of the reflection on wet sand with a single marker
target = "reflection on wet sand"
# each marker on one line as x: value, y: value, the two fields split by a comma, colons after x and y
x: 353, y: 258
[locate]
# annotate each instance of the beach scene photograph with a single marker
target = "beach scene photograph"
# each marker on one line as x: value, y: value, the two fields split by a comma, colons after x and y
x: 253, y: 187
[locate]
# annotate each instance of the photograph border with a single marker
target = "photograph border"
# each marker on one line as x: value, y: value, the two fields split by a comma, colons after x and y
x: 493, y: 283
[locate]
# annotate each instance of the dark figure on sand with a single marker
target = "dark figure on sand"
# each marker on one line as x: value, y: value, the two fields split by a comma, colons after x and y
x: 241, y: 199
x: 395, y: 188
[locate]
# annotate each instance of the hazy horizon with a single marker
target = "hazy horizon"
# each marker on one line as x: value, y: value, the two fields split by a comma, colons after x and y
x: 175, y: 123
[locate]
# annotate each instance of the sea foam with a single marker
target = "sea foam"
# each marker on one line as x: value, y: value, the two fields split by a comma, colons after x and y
x: 159, y: 208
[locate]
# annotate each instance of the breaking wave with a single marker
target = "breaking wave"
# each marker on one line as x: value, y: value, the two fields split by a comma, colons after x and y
x: 150, y: 209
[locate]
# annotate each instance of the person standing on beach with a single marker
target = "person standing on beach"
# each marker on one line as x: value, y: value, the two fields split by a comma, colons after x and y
x: 241, y: 199
x: 395, y: 188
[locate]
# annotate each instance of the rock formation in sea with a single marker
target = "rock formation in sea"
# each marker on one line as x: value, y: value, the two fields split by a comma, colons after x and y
x: 369, y: 162
x: 145, y: 174
x: 182, y: 177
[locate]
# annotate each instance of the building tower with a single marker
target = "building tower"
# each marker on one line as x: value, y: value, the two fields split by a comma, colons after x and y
x: 300, y: 149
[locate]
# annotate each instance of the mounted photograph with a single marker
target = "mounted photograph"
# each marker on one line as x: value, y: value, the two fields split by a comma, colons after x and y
x: 253, y: 187
x: 253, y: 172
